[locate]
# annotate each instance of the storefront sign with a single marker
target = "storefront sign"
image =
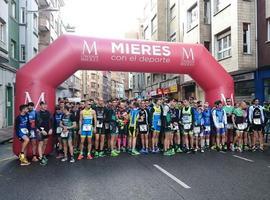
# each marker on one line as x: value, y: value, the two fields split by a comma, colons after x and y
x: 173, y: 89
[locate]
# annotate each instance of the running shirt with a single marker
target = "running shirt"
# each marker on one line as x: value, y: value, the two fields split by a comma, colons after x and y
x: 32, y: 118
x: 68, y: 120
x: 187, y: 117
x: 229, y: 111
x: 240, y: 118
x: 22, y: 125
x: 198, y: 118
x: 219, y: 118
x: 87, y: 120
x: 134, y: 114
x: 57, y: 118
x: 156, y: 117
x: 174, y: 112
x: 100, y: 112
x: 44, y: 120
x: 256, y: 115
x: 122, y: 116
x: 166, y: 117
x: 207, y: 115
x: 143, y: 120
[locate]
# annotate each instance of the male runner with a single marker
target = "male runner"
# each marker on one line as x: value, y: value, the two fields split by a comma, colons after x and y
x: 33, y: 136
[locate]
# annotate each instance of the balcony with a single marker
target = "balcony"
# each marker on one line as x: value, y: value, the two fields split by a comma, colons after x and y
x: 43, y: 3
x: 44, y: 25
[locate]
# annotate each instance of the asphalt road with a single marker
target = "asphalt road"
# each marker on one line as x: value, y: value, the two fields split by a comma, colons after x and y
x: 212, y: 175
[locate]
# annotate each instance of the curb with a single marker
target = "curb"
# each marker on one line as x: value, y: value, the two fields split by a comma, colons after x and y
x: 5, y: 140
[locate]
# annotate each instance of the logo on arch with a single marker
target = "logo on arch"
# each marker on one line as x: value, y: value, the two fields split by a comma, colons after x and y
x: 188, y: 58
x: 89, y: 51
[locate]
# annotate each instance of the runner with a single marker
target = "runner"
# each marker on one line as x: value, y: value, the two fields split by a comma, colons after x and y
x: 100, y: 134
x: 44, y: 130
x: 143, y: 127
x: 22, y: 127
x: 33, y: 135
x: 198, y: 126
x: 228, y: 108
x: 256, y: 118
x: 123, y: 119
x: 58, y: 130
x: 186, y: 120
x: 113, y: 127
x: 156, y: 124
x: 132, y: 129
x: 168, y: 150
x: 68, y: 124
x: 207, y: 121
x: 87, y: 118
x: 220, y: 122
x: 76, y: 141
x: 239, y: 119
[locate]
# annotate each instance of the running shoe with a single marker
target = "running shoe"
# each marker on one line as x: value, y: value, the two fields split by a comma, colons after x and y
x: 142, y: 151
x: 101, y: 154
x: 45, y: 158
x: 42, y: 162
x: 166, y: 153
x: 89, y: 157
x: 232, y: 147
x: 202, y: 150
x: 146, y: 151
x: 34, y: 159
x: 157, y: 150
x: 135, y: 152
x: 64, y: 159
x: 118, y: 151
x: 179, y: 150
x: 80, y: 157
x: 172, y: 152
x: 72, y: 160
x: 96, y: 154
x: 114, y: 153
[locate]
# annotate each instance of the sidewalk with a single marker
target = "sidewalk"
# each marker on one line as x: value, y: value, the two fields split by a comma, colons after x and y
x: 6, y: 134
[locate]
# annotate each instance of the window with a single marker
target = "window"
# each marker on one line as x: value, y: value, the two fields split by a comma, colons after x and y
x: 2, y: 31
x: 220, y: 4
x: 35, y: 22
x: 147, y: 34
x: 164, y: 77
x: 192, y: 17
x: 22, y: 52
x: 268, y: 29
x: 22, y: 16
x: 93, y: 85
x: 12, y: 48
x: 224, y: 47
x: 172, y: 12
x: 207, y: 12
x: 35, y: 51
x: 245, y: 88
x: 93, y: 76
x: 155, y: 77
x: 173, y: 37
x: 154, y: 24
x: 246, y: 38
x: 207, y: 45
x: 52, y: 20
x: 148, y: 80
x: 13, y: 9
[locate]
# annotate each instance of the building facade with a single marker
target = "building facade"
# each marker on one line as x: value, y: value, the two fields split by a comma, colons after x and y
x: 106, y: 84
x: 227, y: 28
x: 92, y: 84
x: 117, y: 84
x: 263, y: 72
x: 28, y: 11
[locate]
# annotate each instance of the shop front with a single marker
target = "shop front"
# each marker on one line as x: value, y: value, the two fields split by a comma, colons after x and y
x: 262, y: 84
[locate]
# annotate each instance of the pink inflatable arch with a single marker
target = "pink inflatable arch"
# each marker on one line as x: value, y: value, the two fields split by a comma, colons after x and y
x: 38, y: 79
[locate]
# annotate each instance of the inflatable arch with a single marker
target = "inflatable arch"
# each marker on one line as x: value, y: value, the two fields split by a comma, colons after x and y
x: 39, y: 78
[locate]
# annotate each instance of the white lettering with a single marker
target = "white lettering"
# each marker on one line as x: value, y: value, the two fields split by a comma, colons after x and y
x: 166, y: 51
x: 146, y: 49
x: 135, y: 49
x: 187, y: 55
x: 119, y: 47
x: 89, y: 50
x: 156, y: 50
x: 29, y: 99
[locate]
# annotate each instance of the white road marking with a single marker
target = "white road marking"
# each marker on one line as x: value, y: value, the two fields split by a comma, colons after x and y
x: 222, y: 152
x: 172, y: 177
x: 9, y: 158
x: 269, y: 166
x: 246, y: 159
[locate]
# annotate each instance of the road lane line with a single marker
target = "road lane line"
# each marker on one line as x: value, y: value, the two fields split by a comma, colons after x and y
x: 172, y: 177
x: 246, y: 159
x: 9, y: 158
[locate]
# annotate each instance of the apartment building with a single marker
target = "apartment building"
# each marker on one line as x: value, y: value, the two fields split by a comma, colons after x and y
x: 263, y: 72
x: 106, y: 83
x: 117, y: 84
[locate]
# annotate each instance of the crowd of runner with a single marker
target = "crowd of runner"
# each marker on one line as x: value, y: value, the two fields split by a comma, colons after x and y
x: 92, y: 129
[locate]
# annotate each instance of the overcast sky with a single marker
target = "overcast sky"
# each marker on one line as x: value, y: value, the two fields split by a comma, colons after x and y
x: 103, y: 18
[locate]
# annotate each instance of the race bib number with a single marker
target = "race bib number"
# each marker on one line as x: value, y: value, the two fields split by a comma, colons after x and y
x: 143, y: 127
x: 220, y: 125
x: 24, y: 131
x: 186, y: 119
x: 229, y: 126
x: 197, y: 130
x: 64, y: 134
x: 32, y: 134
x: 187, y: 126
x: 175, y: 127
x: 159, y: 123
x: 59, y: 130
x: 107, y: 125
x: 87, y: 127
x: 241, y: 126
x: 99, y: 124
x: 208, y: 128
x: 257, y: 121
